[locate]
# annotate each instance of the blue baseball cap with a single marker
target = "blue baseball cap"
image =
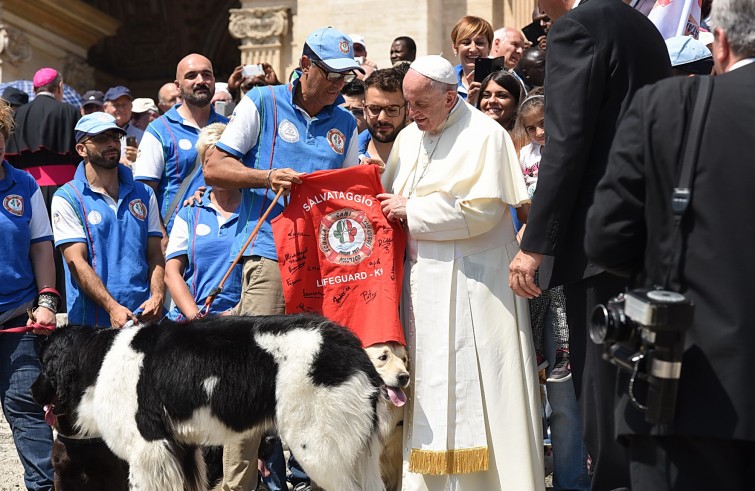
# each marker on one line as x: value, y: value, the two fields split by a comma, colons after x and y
x: 689, y: 55
x: 94, y: 124
x: 118, y: 91
x: 333, y: 48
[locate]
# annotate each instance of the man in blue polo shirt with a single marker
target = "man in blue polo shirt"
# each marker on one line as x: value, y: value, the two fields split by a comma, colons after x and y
x: 107, y: 227
x: 276, y: 134
x: 167, y: 155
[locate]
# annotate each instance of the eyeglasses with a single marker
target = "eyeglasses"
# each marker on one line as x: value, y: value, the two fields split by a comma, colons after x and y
x: 392, y: 111
x: 105, y: 137
x: 336, y: 76
x: 356, y: 111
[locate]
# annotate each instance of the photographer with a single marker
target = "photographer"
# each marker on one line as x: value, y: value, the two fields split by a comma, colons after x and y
x: 631, y: 229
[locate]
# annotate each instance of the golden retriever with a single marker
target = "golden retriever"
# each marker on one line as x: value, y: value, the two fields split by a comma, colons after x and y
x: 392, y: 362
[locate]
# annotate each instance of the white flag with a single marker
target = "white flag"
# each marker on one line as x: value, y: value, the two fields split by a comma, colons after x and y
x: 676, y: 17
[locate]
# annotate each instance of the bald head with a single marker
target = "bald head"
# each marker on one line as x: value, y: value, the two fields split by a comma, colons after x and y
x: 195, y: 80
x: 509, y: 43
x: 168, y: 96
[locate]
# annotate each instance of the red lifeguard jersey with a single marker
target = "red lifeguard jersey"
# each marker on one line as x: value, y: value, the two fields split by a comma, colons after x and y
x: 339, y: 256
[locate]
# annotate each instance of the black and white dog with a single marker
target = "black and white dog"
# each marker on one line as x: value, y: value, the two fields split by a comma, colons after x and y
x: 155, y: 393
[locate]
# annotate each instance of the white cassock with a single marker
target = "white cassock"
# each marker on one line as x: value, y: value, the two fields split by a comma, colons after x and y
x: 473, y: 417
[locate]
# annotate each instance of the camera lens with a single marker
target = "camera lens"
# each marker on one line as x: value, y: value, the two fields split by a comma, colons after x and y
x: 599, y: 322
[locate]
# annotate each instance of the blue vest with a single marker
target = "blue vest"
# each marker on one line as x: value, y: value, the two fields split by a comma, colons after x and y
x: 207, y: 257
x: 17, y: 280
x: 116, y: 245
x: 302, y: 145
x: 179, y: 153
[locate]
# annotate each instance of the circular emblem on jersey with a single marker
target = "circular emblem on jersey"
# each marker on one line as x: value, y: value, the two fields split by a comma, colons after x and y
x: 336, y: 140
x: 287, y: 130
x: 203, y: 229
x: 94, y: 217
x: 184, y: 144
x: 344, y: 46
x: 14, y: 204
x: 346, y: 236
x: 138, y: 209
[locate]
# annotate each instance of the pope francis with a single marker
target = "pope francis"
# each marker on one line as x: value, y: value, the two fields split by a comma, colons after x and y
x: 473, y: 420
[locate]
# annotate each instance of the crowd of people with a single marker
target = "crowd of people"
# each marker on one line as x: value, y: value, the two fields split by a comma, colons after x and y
x: 528, y: 194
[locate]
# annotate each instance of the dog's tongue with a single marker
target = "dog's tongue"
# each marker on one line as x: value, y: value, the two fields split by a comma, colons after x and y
x: 398, y: 398
x: 50, y: 417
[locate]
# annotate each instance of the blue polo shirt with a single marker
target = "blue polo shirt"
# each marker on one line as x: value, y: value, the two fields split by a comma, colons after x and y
x: 115, y: 234
x: 167, y: 154
x: 23, y: 221
x: 459, y: 84
x: 303, y: 143
x: 364, y: 142
x: 200, y: 233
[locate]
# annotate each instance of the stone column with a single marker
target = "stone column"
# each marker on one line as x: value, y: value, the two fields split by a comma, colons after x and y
x: 261, y: 31
x: 15, y: 47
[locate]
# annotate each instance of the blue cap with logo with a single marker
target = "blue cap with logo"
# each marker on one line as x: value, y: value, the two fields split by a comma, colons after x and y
x: 333, y: 48
x: 689, y: 55
x: 94, y: 124
x: 118, y: 91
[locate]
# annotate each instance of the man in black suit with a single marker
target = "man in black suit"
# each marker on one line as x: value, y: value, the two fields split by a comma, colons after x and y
x: 630, y: 229
x: 599, y: 54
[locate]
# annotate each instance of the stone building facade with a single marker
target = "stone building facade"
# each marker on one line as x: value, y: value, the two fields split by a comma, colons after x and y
x: 100, y: 43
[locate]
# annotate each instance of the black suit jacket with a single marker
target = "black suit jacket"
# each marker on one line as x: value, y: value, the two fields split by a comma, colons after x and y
x: 630, y: 227
x: 44, y: 134
x: 598, y: 55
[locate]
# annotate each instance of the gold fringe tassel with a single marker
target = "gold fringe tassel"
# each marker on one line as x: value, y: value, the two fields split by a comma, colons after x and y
x: 439, y: 462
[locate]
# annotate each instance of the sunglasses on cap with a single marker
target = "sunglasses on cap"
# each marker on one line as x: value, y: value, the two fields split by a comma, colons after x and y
x: 347, y: 77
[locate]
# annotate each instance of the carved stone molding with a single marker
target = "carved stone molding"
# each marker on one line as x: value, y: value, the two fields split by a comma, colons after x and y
x: 78, y: 74
x: 259, y: 26
x: 14, y: 45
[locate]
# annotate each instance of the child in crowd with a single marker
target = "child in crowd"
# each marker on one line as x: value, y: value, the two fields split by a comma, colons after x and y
x: 530, y: 120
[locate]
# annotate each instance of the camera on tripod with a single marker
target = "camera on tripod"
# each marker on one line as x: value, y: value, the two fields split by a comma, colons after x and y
x: 642, y: 332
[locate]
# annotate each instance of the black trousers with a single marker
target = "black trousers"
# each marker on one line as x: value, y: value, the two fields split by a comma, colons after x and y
x: 683, y: 463
x: 595, y: 382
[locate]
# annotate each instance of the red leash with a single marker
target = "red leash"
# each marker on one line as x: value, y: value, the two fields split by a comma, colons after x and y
x: 47, y: 327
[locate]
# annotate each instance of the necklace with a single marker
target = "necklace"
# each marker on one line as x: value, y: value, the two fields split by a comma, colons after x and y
x: 415, y: 180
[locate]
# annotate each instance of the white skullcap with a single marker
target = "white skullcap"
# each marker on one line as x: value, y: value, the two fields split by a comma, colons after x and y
x: 436, y: 68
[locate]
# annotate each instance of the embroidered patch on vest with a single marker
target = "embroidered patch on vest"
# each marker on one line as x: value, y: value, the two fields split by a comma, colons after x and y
x: 138, y: 209
x: 14, y: 204
x: 185, y: 144
x: 346, y: 236
x: 94, y: 217
x: 336, y: 140
x: 287, y: 130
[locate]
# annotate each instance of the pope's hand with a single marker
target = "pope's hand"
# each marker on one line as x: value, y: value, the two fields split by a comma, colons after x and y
x: 522, y: 274
x: 394, y: 206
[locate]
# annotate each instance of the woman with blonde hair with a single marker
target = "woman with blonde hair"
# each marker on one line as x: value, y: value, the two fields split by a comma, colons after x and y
x: 200, y: 244
x: 471, y: 38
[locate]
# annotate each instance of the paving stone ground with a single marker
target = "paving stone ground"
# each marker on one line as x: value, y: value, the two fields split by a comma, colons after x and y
x: 11, y: 472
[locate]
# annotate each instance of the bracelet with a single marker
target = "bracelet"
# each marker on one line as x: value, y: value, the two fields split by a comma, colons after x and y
x: 269, y: 184
x: 48, y: 298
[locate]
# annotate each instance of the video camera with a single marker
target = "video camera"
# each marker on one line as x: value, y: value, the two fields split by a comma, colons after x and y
x: 642, y: 332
